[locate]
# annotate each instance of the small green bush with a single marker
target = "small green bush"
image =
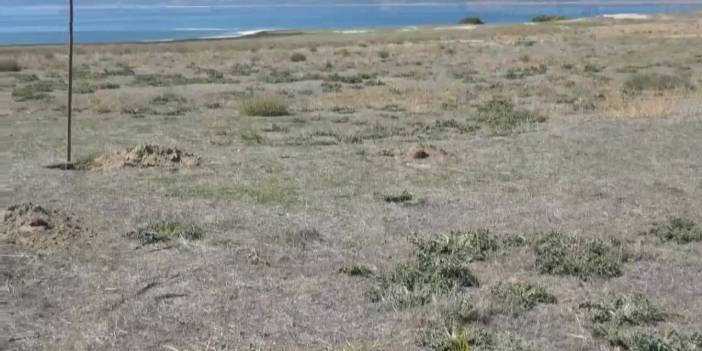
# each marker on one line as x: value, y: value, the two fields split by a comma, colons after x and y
x: 34, y: 91
x: 502, y: 117
x: 165, y: 230
x: 638, y: 83
x: 9, y: 65
x: 471, y: 20
x: 517, y: 297
x: 547, y: 18
x: 267, y: 106
x: 561, y: 254
x: 677, y: 229
x: 383, y: 54
x: 674, y: 341
x: 405, y: 196
x: 298, y: 57
x: 624, y: 310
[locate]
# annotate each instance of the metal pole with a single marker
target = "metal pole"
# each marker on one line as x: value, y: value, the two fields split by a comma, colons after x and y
x: 70, y: 78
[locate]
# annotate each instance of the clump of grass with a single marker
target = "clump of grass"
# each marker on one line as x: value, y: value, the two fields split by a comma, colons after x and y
x: 624, y: 310
x: 303, y: 237
x: 383, y: 54
x: 405, y: 196
x: 165, y: 230
x: 357, y: 270
x: 471, y: 20
x: 266, y: 106
x: 439, y: 268
x: 638, y: 83
x: 298, y: 57
x: 677, y: 229
x: 561, y: 254
x: 521, y: 73
x: 611, y: 320
x: 33, y: 91
x: 518, y: 297
x: 9, y: 65
x: 547, y: 18
x: 674, y: 341
x: 468, y: 339
x: 502, y: 117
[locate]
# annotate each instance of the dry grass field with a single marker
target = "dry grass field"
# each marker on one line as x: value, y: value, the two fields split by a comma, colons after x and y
x: 526, y: 187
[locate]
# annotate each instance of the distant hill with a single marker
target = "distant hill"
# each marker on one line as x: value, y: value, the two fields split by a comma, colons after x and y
x: 204, y: 2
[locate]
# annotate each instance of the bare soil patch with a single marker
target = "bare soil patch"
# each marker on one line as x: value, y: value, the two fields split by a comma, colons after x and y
x: 140, y: 156
x: 37, y: 227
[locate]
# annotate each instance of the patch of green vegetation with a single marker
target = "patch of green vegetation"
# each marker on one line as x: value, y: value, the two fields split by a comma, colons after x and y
x: 350, y: 79
x: 585, y: 258
x: 677, y: 229
x: 674, y: 341
x: 357, y: 270
x: 165, y: 230
x: 384, y: 54
x: 276, y: 76
x: 298, y: 57
x: 166, y: 98
x: 638, y: 83
x: 272, y: 191
x: 471, y: 20
x: 25, y: 77
x: 405, y: 196
x: 34, y: 91
x: 439, y: 268
x: 612, y: 319
x: 468, y: 339
x: 502, y: 117
x: 9, y: 65
x: 521, y: 73
x: 518, y: 297
x: 266, y: 106
x: 547, y: 18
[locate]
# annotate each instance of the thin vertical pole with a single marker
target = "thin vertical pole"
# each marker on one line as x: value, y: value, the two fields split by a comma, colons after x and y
x: 70, y: 79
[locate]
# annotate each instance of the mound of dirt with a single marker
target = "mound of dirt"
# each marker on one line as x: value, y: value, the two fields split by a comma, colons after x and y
x: 143, y: 156
x: 425, y: 155
x: 37, y: 227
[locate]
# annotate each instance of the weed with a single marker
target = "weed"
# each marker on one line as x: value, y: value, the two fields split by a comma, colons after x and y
x: 468, y: 338
x: 638, y: 83
x: 472, y: 245
x: 471, y: 20
x: 250, y: 136
x: 677, y: 229
x: 501, y: 115
x: 303, y: 237
x: 298, y: 57
x: 584, y: 258
x: 34, y: 91
x: 267, y: 106
x: 165, y: 230
x: 517, y: 297
x: 674, y: 341
x: 384, y: 54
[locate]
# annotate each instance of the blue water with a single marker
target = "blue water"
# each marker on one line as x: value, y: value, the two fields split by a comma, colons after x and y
x: 47, y: 25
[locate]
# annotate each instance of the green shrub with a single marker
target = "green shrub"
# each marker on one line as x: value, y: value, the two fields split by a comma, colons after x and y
x: 33, y: 91
x: 521, y: 73
x: 547, y: 18
x: 267, y: 106
x: 383, y: 54
x: 674, y: 341
x: 655, y: 82
x: 165, y: 230
x: 517, y: 297
x: 471, y: 20
x: 9, y: 65
x: 623, y: 310
x: 405, y: 196
x: 298, y: 57
x: 677, y: 229
x: 584, y: 258
x: 472, y: 245
x: 502, y: 117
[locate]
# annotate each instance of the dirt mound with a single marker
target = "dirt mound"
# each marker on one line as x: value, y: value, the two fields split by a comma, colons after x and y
x: 143, y: 156
x: 422, y: 157
x: 37, y: 227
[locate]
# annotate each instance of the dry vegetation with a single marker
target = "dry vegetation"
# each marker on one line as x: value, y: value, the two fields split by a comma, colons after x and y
x: 530, y: 187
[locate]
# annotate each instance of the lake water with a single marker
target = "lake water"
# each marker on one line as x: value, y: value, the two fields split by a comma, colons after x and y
x: 47, y: 25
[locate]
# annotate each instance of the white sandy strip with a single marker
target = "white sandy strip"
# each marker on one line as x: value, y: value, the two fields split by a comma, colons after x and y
x: 353, y: 31
x: 455, y: 28
x: 408, y: 29
x: 635, y: 16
